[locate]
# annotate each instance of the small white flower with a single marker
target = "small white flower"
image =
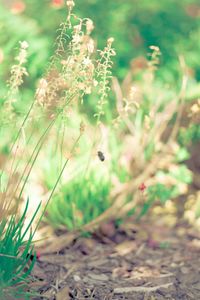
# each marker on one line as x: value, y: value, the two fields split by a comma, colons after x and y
x: 24, y: 45
x: 43, y: 83
x: 95, y: 82
x: 89, y: 26
x: 42, y: 88
x: 88, y: 90
x: 110, y: 40
x: 90, y: 46
x: 81, y: 86
x: 87, y: 61
x: 76, y: 39
x: 70, y: 3
x: 77, y: 28
x: 195, y: 108
x: 155, y: 48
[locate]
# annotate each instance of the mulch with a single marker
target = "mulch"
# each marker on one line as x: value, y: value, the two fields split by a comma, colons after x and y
x: 135, y: 261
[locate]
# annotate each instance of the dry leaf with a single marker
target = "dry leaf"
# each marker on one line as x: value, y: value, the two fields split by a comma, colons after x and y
x: 108, y: 229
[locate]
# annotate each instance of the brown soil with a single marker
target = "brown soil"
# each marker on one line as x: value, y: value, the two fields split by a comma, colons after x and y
x: 150, y: 262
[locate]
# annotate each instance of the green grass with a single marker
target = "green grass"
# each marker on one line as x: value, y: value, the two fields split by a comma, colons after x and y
x: 15, y: 251
x: 79, y: 201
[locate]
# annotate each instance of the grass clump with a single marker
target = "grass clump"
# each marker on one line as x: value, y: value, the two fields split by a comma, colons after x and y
x: 79, y: 201
x: 15, y: 252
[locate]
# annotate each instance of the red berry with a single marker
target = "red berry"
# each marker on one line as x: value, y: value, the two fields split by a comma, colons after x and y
x: 142, y: 187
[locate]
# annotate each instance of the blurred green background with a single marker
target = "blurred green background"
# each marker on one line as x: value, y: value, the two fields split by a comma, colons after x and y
x: 173, y: 25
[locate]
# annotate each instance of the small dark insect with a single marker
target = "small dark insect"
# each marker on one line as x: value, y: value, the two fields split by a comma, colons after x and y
x: 31, y: 257
x: 101, y: 156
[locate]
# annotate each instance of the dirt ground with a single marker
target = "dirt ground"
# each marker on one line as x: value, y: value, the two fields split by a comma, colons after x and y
x: 144, y: 261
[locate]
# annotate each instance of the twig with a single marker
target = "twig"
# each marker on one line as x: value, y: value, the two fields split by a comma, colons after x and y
x: 140, y: 249
x: 141, y: 289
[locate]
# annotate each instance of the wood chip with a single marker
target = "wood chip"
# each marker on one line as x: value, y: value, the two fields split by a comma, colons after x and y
x: 98, y: 277
x: 63, y: 294
x: 125, y: 248
x: 96, y: 263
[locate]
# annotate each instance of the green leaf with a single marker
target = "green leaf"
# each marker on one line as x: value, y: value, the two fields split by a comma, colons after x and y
x: 182, y: 154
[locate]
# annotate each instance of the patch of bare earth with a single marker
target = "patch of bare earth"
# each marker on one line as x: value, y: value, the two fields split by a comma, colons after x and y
x: 148, y: 262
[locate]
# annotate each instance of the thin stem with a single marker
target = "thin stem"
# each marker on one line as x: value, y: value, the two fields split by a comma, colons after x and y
x: 57, y: 181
